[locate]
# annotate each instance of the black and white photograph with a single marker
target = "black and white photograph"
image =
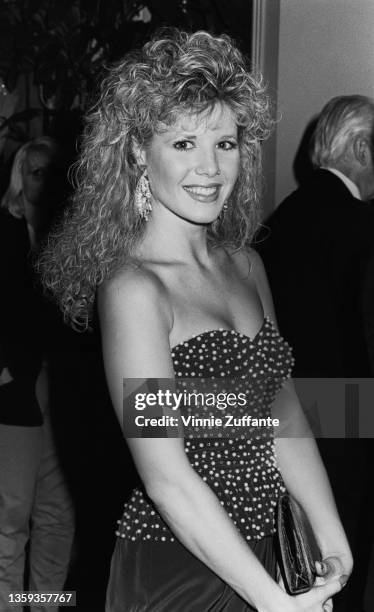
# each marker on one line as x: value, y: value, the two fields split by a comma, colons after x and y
x: 187, y: 305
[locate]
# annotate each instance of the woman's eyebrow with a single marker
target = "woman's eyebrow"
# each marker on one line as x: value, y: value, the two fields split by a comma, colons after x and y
x: 233, y: 136
x: 182, y: 134
x: 185, y: 131
x: 186, y: 135
x: 179, y: 134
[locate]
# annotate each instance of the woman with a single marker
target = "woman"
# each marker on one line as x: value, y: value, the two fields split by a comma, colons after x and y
x: 165, y: 210
x: 29, y: 194
x: 35, y: 505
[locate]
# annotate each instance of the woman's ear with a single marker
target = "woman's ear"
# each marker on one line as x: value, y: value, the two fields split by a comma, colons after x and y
x: 139, y: 153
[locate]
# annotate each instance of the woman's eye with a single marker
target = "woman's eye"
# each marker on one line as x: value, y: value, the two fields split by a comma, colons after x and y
x: 38, y: 173
x: 183, y: 145
x: 227, y: 145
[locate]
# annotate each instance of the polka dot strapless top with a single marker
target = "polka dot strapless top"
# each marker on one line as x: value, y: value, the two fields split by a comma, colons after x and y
x: 240, y: 469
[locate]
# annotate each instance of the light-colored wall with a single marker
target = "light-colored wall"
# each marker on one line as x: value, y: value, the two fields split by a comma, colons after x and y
x: 326, y: 48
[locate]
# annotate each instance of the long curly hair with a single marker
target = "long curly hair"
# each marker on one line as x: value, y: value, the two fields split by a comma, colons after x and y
x: 173, y: 74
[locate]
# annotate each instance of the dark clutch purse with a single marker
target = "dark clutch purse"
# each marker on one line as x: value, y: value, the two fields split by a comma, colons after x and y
x: 298, y: 549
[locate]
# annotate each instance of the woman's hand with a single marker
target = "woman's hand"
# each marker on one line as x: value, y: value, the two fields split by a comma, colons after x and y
x: 5, y: 376
x: 318, y: 599
x: 330, y: 570
x: 333, y: 567
x: 326, y: 570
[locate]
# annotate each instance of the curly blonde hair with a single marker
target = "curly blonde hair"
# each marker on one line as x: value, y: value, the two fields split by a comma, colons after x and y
x: 173, y: 74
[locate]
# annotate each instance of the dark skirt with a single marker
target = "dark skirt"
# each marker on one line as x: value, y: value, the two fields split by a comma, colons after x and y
x: 151, y: 576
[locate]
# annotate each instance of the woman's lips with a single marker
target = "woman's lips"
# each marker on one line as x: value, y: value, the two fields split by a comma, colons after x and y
x: 203, y: 193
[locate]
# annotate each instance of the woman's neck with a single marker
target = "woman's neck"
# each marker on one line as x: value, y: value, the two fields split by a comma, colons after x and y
x: 169, y: 237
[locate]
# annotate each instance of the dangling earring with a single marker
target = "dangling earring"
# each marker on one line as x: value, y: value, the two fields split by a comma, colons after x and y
x: 143, y: 202
x: 223, y: 212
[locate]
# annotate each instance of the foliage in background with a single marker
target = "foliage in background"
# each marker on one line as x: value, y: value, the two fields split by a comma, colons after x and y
x: 58, y: 48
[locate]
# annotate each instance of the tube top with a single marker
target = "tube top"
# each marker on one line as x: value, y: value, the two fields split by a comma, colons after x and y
x: 242, y: 471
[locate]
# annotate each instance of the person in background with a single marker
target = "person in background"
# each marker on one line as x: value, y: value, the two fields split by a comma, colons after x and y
x: 159, y: 230
x: 316, y: 245
x: 35, y: 505
x: 316, y: 248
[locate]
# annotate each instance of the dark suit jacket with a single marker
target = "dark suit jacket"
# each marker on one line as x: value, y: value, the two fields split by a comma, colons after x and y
x: 315, y: 251
x: 20, y: 325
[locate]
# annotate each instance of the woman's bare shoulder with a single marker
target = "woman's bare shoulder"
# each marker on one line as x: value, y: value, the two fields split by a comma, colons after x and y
x: 135, y: 288
x: 132, y: 276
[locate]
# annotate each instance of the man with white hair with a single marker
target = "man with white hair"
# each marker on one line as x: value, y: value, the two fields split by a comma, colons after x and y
x: 316, y: 247
x: 343, y: 143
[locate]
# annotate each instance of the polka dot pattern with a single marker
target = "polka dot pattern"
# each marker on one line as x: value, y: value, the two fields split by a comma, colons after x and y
x: 241, y: 471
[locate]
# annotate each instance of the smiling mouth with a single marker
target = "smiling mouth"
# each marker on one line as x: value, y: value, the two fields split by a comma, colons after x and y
x: 202, y: 193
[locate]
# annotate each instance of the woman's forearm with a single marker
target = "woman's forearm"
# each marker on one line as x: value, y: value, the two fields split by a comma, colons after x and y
x: 305, y: 476
x: 304, y: 473
x: 198, y: 520
x: 306, y: 479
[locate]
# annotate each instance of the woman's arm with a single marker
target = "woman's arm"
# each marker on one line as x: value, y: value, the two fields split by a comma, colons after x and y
x: 299, y: 460
x: 306, y: 479
x: 136, y: 321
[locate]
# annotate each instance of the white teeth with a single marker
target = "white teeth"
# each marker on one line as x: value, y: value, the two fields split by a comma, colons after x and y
x: 202, y: 190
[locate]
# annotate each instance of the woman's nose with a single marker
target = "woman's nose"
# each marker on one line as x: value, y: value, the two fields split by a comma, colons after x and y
x: 207, y: 163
